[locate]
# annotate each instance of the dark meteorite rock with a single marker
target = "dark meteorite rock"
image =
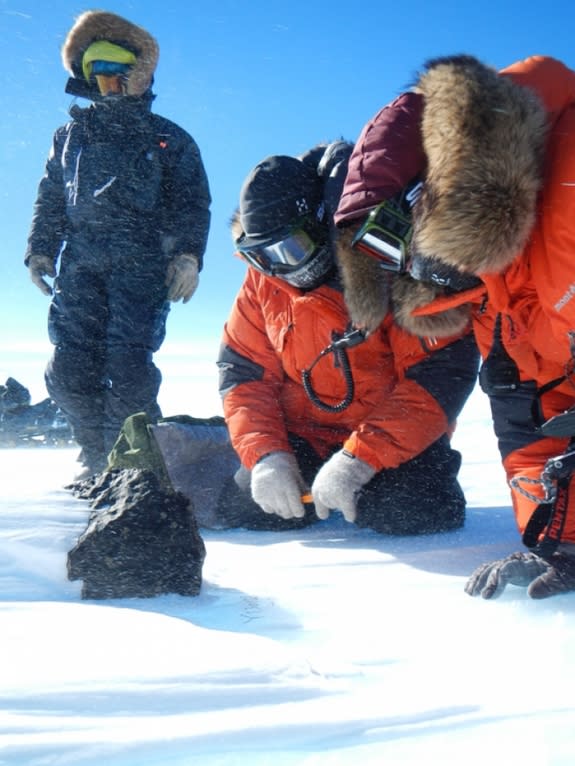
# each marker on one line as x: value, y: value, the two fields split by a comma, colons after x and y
x: 143, y: 543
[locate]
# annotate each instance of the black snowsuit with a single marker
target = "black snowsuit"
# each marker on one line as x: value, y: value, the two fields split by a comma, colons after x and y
x: 124, y: 191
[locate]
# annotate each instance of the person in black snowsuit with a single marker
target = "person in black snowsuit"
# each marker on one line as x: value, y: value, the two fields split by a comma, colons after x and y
x: 125, y: 205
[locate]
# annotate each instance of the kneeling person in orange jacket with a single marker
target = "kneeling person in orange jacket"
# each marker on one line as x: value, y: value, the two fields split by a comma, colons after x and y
x: 361, y: 422
x: 493, y: 239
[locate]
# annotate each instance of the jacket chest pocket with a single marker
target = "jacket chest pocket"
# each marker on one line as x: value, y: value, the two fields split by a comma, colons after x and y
x: 314, y: 325
x: 142, y: 182
x: 279, y: 330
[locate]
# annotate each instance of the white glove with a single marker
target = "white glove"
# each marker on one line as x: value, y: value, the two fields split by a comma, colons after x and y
x: 182, y: 277
x: 42, y: 266
x: 337, y: 484
x: 277, y: 485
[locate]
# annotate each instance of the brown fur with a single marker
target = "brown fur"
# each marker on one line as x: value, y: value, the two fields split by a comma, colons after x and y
x: 365, y: 284
x: 409, y: 294
x: 370, y: 291
x: 101, y: 25
x: 484, y: 139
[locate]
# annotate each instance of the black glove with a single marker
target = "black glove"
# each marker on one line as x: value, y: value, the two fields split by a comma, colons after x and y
x: 542, y: 577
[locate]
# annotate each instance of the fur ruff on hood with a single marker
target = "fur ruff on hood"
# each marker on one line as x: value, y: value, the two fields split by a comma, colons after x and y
x: 484, y: 140
x: 101, y: 25
x: 366, y: 286
x: 371, y: 292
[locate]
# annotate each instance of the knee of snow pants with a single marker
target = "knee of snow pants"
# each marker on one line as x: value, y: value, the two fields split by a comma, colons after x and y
x: 421, y: 496
x: 75, y: 381
x: 133, y: 383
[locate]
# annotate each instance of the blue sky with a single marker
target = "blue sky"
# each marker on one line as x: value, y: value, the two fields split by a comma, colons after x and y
x: 246, y: 79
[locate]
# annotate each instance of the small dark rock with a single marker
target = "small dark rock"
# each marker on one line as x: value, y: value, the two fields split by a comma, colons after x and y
x: 143, y: 541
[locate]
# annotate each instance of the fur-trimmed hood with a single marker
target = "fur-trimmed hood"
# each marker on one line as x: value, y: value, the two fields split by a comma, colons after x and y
x: 91, y: 26
x: 483, y: 138
x: 371, y: 292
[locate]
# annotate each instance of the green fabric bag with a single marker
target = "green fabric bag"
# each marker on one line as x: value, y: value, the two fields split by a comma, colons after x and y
x: 193, y: 456
x: 136, y: 447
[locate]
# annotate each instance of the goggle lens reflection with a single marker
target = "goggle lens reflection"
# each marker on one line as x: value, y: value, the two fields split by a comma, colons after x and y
x: 284, y: 255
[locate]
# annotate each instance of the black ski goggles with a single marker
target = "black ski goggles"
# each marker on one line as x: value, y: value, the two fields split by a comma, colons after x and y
x: 387, y: 231
x: 296, y: 248
x: 386, y: 235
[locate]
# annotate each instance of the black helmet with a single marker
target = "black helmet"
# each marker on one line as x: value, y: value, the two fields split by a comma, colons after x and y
x: 283, y: 221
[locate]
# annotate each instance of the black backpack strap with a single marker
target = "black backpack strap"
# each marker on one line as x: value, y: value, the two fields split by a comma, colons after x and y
x: 549, y: 517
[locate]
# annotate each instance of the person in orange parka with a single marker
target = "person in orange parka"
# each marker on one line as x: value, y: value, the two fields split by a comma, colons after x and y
x: 496, y: 154
x: 359, y: 424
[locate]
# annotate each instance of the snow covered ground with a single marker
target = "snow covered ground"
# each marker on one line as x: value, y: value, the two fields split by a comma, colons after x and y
x: 323, y: 647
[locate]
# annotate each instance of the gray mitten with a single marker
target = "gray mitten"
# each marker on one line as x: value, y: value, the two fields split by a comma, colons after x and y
x: 277, y: 485
x: 542, y: 577
x: 558, y: 578
x: 41, y: 266
x: 182, y: 277
x: 338, y: 483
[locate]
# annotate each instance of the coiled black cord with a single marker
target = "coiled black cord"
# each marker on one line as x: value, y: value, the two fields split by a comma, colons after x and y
x: 338, y: 348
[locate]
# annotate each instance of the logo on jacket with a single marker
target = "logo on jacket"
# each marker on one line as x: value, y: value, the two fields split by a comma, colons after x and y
x: 302, y: 206
x: 564, y: 300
